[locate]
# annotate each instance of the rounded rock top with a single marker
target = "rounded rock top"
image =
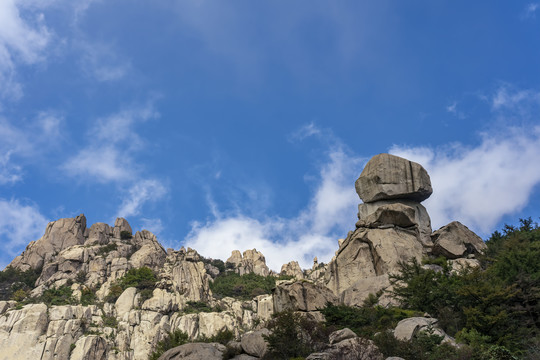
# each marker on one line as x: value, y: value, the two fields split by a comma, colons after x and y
x: 388, y: 177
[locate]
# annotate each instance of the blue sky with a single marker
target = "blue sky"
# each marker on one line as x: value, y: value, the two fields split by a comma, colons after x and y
x: 226, y: 125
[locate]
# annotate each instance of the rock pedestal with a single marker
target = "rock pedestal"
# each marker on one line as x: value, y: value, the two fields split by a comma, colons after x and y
x: 392, y: 227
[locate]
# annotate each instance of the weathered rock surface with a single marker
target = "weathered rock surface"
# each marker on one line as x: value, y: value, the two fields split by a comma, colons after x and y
x: 59, y: 235
x: 396, y: 213
x: 387, y: 177
x: 195, y: 351
x: 351, y: 347
x: 370, y: 253
x: 252, y: 261
x: 340, y: 335
x: 301, y: 296
x: 292, y: 269
x: 406, y: 329
x: 393, y: 226
x: 455, y: 240
x: 253, y: 343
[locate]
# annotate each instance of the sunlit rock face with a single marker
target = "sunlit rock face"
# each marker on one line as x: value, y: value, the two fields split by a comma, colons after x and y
x: 387, y: 177
x: 393, y: 226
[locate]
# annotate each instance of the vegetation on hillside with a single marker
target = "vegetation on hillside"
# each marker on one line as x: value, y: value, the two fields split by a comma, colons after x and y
x: 245, y: 286
x: 494, y: 309
x: 142, y: 278
x: 14, y: 280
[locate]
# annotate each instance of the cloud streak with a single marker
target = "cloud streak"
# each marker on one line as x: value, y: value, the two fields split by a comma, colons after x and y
x: 20, y: 223
x: 22, y: 41
x: 313, y: 232
x: 110, y: 157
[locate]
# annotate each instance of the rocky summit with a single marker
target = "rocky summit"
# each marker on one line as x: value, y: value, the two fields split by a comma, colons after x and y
x: 102, y: 292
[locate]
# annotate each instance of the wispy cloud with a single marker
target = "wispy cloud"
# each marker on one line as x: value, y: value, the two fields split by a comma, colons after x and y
x: 314, y: 231
x: 110, y: 157
x: 478, y: 185
x: 530, y: 10
x: 141, y: 192
x: 507, y: 97
x: 109, y: 154
x: 20, y: 223
x: 22, y: 41
x: 101, y: 62
x: 26, y: 142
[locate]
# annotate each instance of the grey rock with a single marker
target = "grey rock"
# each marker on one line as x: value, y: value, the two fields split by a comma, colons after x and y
x: 352, y: 348
x: 59, y: 235
x: 253, y: 343
x: 340, y: 335
x: 388, y: 177
x: 455, y: 240
x: 400, y: 213
x: 195, y: 351
x: 302, y: 296
x: 120, y: 225
x: 292, y: 269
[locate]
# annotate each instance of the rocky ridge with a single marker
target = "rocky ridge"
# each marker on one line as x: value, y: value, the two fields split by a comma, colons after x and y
x: 393, y: 226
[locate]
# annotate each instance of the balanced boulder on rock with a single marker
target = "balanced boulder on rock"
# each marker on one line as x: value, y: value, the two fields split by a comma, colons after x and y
x: 388, y: 177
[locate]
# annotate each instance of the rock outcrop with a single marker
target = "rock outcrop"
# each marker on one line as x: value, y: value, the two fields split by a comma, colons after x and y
x: 301, y: 296
x: 91, y: 263
x: 252, y: 261
x: 455, y: 240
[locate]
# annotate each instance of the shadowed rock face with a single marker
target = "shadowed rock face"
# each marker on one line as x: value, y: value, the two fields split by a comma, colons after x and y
x: 387, y: 177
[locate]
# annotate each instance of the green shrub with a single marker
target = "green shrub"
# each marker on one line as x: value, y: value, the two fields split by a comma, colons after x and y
x: 110, y: 321
x: 57, y: 296
x: 197, y: 307
x: 364, y: 321
x: 114, y: 293
x: 243, y: 287
x: 125, y: 235
x: 88, y: 296
x: 172, y: 340
x: 142, y: 278
x: 12, y: 279
x: 19, y: 295
x: 294, y: 335
x: 223, y: 336
x: 104, y: 250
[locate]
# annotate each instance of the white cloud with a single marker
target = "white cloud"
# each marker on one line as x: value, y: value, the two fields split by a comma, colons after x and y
x: 101, y: 62
x: 27, y: 141
x: 507, y: 97
x: 22, y: 40
x: 155, y: 226
x: 139, y: 194
x: 452, y: 108
x: 109, y: 154
x: 304, y: 132
x: 110, y: 157
x: 313, y: 232
x: 479, y: 185
x: 531, y: 9
x: 19, y: 224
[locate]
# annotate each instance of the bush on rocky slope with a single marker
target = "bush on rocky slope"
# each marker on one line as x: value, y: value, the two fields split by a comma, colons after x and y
x: 142, y: 278
x: 244, y: 286
x: 498, y: 305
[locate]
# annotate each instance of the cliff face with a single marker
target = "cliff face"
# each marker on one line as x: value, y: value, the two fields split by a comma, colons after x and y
x: 111, y: 317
